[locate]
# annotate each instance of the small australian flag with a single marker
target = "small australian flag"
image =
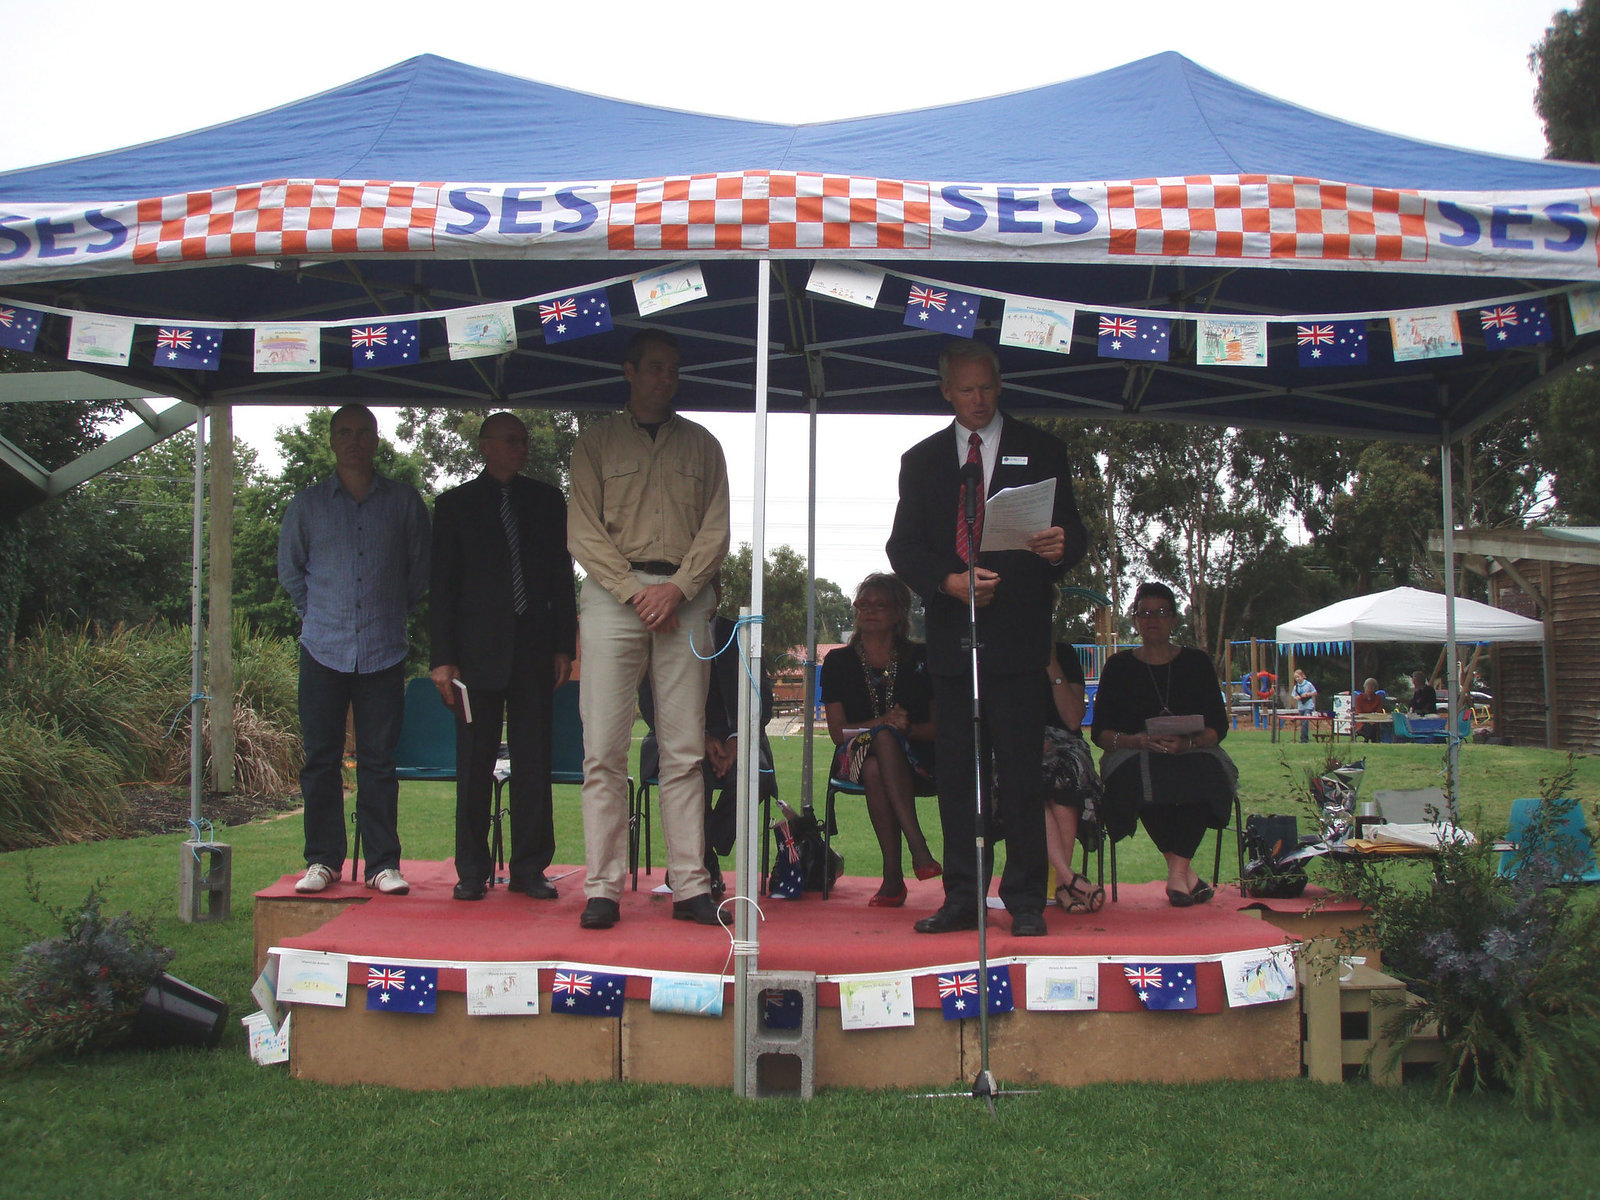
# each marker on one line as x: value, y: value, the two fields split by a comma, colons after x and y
x: 579, y: 315
x: 389, y: 344
x: 18, y: 327
x: 587, y: 993
x: 401, y: 989
x: 1332, y: 343
x: 781, y: 1008
x: 1524, y: 323
x: 1146, y: 338
x: 188, y: 347
x: 943, y: 309
x: 958, y: 993
x: 1162, y: 986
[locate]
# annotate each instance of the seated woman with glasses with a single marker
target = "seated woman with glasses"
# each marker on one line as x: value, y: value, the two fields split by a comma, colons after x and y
x: 878, y: 698
x: 1179, y: 783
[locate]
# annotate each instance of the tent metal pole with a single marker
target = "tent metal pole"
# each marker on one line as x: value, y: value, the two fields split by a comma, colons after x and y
x: 746, y: 927
x: 808, y: 690
x: 1453, y: 740
x: 196, y: 623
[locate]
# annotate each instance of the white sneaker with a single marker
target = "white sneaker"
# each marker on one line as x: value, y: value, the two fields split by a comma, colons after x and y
x: 316, y: 878
x: 390, y: 882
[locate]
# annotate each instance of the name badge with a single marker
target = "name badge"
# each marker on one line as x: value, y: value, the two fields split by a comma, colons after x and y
x: 1014, y: 460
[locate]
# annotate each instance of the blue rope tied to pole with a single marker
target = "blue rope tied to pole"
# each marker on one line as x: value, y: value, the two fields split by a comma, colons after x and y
x: 194, y: 698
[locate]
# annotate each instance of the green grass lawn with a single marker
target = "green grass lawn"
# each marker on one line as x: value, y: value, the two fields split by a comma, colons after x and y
x: 188, y: 1123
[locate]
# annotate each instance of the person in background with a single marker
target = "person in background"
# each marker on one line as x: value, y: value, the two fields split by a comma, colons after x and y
x: 1072, y: 786
x: 878, y: 700
x: 1178, y: 784
x: 1367, y: 700
x: 353, y: 556
x: 1424, y: 700
x: 503, y: 623
x: 1305, y: 701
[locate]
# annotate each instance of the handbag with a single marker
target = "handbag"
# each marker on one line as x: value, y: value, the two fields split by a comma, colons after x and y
x: 804, y: 863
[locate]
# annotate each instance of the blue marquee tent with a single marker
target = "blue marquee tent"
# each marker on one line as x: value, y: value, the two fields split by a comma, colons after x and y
x: 1157, y: 188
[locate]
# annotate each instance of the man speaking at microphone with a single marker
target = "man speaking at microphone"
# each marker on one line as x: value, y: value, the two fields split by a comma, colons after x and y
x: 983, y: 452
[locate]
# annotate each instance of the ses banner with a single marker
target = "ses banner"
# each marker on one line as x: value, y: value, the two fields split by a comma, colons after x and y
x: 1256, y: 220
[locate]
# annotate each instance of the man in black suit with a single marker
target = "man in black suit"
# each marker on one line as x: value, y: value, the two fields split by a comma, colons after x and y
x: 503, y: 623
x: 1015, y: 598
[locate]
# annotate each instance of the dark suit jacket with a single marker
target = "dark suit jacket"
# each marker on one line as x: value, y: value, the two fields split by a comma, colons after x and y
x: 1014, y: 628
x: 471, y: 620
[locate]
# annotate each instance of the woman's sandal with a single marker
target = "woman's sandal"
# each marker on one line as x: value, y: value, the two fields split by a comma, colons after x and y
x: 1082, y: 897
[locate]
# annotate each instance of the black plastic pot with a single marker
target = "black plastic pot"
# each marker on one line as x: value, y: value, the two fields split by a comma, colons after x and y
x: 175, y: 1014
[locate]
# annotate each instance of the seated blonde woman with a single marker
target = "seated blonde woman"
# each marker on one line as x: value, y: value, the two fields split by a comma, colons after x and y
x: 878, y: 698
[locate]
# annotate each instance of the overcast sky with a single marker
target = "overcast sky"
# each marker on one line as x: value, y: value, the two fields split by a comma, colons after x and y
x: 93, y: 75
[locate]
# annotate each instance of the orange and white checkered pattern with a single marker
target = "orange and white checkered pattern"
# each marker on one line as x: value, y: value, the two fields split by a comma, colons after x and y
x: 287, y: 216
x: 1266, y: 216
x: 769, y: 210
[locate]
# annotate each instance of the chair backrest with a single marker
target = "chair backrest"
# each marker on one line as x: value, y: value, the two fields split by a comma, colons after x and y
x: 566, y: 735
x: 1571, y: 837
x: 427, y: 748
x: 1409, y: 806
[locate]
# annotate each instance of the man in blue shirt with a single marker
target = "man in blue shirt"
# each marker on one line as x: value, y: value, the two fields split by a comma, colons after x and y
x: 353, y: 556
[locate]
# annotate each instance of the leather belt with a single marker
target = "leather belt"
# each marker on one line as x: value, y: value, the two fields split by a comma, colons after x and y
x: 654, y: 567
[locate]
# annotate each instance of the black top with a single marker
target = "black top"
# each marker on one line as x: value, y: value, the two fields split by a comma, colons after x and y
x: 844, y: 683
x: 1425, y: 701
x: 1072, y: 672
x: 1131, y: 692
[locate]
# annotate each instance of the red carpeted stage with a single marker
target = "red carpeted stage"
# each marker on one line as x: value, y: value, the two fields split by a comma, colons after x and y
x: 837, y: 937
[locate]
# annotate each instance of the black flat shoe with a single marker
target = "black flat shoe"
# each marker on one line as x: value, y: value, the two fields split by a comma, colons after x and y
x: 949, y: 919
x: 600, y: 913
x: 466, y: 891
x: 699, y: 909
x: 1179, y: 899
x: 1201, y: 892
x: 539, y: 888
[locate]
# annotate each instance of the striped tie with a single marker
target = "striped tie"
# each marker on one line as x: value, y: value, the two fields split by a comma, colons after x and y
x: 519, y: 586
x: 963, y: 546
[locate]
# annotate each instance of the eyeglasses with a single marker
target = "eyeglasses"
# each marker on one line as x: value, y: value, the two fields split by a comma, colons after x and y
x: 1145, y: 614
x: 873, y: 605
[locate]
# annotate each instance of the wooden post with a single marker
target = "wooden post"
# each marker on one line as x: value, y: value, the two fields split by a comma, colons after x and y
x: 220, y: 685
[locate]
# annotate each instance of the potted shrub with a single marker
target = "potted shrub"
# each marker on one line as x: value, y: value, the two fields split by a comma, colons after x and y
x: 99, y: 982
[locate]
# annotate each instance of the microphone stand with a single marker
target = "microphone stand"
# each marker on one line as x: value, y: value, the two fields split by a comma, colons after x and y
x: 984, y: 1085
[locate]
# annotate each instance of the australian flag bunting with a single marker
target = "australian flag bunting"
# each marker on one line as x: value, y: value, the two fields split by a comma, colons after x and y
x: 587, y: 993
x: 392, y: 344
x: 1332, y: 344
x: 1146, y: 338
x: 18, y: 327
x: 1162, y: 986
x: 188, y: 347
x: 958, y: 993
x: 1524, y: 323
x: 944, y: 309
x: 401, y: 989
x: 575, y: 316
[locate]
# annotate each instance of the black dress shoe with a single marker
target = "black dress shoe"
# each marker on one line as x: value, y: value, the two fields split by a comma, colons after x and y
x: 1028, y: 924
x: 949, y: 919
x: 467, y: 891
x: 699, y: 909
x: 538, y: 887
x: 600, y: 913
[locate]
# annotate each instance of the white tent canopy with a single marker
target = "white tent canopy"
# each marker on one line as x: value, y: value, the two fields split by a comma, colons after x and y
x: 1407, y: 615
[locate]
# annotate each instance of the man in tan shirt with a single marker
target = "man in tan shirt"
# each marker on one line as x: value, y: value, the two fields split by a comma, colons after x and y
x: 648, y: 523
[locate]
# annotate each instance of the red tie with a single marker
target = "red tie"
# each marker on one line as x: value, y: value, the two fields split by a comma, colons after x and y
x: 963, y: 546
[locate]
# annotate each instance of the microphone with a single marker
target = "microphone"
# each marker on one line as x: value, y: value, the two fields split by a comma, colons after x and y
x: 972, y: 489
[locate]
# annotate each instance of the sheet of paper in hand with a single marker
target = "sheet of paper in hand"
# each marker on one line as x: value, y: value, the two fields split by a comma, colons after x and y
x: 1179, y: 726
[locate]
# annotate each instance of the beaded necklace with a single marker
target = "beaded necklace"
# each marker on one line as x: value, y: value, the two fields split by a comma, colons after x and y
x: 880, y: 684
